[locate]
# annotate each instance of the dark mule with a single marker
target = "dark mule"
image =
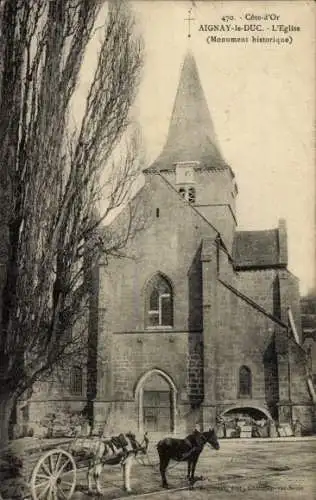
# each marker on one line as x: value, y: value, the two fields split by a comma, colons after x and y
x: 184, y: 450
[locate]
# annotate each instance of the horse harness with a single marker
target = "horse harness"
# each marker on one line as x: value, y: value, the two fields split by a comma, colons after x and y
x: 198, y: 447
x: 121, y: 447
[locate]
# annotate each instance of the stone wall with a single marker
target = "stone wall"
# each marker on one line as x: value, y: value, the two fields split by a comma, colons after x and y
x: 243, y: 337
x: 259, y: 286
x: 215, y: 329
x: 168, y: 245
x: 138, y: 353
x: 171, y: 245
x: 47, y: 398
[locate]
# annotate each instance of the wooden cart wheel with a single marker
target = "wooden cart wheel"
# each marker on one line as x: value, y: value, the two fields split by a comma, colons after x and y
x: 54, y: 476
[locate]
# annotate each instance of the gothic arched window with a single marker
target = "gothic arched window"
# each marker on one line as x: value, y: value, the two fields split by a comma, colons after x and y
x: 159, y: 302
x: 244, y: 382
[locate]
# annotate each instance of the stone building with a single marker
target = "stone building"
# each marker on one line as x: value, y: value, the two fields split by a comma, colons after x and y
x: 308, y: 310
x: 194, y: 325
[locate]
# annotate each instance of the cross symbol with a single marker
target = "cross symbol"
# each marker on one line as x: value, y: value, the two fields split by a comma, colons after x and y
x: 189, y: 19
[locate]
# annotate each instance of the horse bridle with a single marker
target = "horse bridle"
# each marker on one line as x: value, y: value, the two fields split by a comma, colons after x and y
x: 206, y: 441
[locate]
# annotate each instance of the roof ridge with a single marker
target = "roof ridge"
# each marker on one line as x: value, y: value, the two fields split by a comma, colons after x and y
x: 252, y: 303
x: 188, y: 203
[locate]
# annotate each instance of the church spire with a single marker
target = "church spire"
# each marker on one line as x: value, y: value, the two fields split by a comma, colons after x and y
x: 191, y: 135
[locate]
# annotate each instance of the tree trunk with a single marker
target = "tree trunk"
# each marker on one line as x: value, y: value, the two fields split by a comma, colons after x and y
x: 7, y: 402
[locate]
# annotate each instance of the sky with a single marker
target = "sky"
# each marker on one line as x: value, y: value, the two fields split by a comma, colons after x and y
x: 262, y: 101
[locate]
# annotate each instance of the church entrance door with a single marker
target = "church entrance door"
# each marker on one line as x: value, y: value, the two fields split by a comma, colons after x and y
x: 156, y: 395
x: 157, y: 411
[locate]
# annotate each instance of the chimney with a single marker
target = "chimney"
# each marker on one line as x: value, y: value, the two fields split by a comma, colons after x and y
x: 282, y: 234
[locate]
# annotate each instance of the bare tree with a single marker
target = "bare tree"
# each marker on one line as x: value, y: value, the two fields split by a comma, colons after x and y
x: 50, y: 172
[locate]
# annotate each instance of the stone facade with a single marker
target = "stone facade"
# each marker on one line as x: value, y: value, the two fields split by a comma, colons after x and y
x: 194, y: 324
x: 231, y: 294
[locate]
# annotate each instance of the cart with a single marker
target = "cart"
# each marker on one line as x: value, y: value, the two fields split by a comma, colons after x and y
x: 54, y: 476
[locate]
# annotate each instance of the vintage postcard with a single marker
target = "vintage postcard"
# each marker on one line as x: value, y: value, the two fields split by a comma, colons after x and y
x: 158, y: 258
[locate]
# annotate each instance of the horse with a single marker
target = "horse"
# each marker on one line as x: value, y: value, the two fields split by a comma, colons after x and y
x: 102, y: 451
x: 184, y: 450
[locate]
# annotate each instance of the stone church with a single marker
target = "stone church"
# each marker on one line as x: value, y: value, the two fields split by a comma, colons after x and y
x: 196, y: 324
x: 202, y: 320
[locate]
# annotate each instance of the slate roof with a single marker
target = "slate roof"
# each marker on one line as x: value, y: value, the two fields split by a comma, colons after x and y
x: 257, y: 249
x: 191, y: 135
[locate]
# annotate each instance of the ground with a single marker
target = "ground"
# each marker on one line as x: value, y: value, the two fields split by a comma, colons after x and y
x: 241, y: 469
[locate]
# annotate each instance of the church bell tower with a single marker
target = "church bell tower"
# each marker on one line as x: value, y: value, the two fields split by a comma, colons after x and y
x: 191, y: 158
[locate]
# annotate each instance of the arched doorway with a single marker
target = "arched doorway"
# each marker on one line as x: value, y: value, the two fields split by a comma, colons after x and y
x: 245, y: 422
x: 156, y: 394
x: 251, y: 412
